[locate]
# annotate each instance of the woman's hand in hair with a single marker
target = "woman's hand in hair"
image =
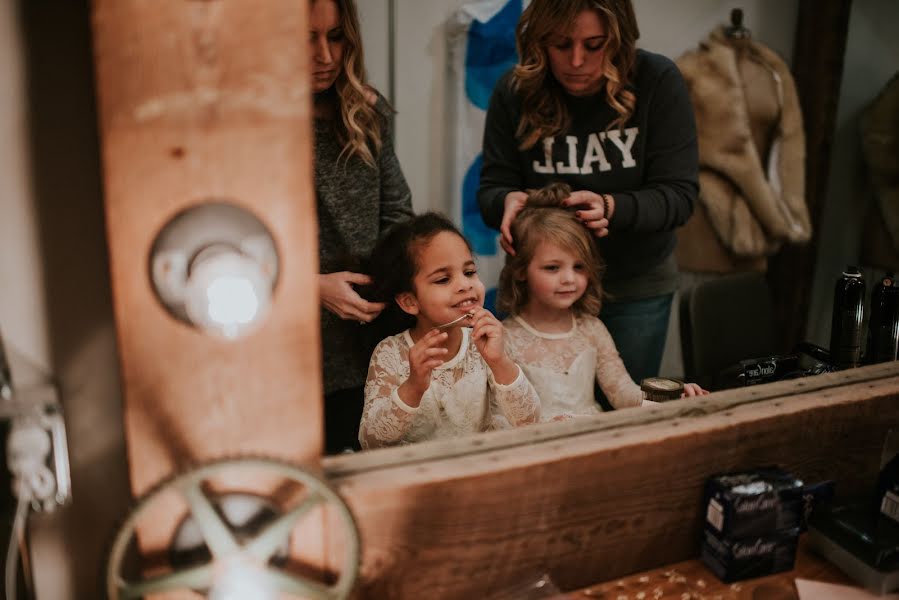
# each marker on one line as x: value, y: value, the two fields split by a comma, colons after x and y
x: 487, y: 333
x: 594, y: 210
x: 340, y: 297
x: 514, y: 202
x: 424, y: 356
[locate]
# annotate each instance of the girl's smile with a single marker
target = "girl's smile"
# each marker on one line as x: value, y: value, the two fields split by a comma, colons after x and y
x: 446, y: 283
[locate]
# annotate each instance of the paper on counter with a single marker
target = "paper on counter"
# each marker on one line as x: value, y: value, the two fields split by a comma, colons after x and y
x: 816, y: 590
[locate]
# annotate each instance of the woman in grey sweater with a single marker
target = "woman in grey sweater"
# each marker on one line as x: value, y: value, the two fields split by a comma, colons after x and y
x: 360, y: 191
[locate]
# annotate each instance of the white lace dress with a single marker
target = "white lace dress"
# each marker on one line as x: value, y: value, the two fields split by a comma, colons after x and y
x: 562, y: 366
x: 463, y: 397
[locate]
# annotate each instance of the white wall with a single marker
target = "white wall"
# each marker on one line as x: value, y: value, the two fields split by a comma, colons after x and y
x: 666, y: 27
x: 373, y: 16
x: 23, y: 321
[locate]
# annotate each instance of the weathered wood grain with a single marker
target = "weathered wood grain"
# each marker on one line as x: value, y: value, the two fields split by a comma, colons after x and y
x: 208, y: 101
x: 600, y: 504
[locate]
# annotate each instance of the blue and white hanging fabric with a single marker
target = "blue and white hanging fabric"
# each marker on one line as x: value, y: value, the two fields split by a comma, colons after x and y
x: 481, y: 43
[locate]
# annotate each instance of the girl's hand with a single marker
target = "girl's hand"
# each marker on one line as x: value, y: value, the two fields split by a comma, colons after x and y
x: 487, y: 333
x: 692, y: 389
x: 338, y: 296
x: 592, y: 210
x: 424, y: 356
x: 514, y: 202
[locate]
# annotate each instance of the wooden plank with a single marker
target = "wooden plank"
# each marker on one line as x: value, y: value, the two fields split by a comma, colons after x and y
x: 209, y: 101
x: 598, y: 505
x: 719, y: 402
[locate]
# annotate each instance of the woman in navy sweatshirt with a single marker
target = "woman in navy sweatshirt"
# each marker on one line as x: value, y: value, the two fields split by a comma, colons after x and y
x: 585, y: 107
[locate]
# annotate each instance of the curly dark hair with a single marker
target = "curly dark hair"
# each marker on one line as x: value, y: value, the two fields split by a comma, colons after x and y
x: 543, y: 218
x: 393, y: 263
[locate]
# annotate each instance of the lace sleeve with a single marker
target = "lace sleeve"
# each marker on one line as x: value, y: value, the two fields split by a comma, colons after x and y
x: 517, y: 401
x: 613, y: 378
x: 386, y: 418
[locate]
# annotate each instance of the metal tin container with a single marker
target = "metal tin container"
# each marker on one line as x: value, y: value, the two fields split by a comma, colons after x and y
x: 661, y: 389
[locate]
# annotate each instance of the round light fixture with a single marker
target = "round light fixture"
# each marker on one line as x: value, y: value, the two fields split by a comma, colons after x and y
x: 215, y: 266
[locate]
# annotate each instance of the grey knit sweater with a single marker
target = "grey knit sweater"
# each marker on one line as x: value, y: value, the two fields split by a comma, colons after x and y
x: 356, y: 203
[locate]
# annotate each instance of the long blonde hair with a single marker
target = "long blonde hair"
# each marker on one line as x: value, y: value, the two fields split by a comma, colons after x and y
x: 544, y: 113
x: 543, y: 219
x: 359, y: 125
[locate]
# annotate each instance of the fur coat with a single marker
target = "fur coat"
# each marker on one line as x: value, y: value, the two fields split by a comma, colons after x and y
x: 751, y: 157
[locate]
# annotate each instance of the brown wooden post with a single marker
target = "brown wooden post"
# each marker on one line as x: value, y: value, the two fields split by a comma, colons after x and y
x: 818, y: 52
x: 199, y: 101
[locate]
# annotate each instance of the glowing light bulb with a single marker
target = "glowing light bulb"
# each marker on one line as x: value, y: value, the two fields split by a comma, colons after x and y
x: 232, y: 300
x: 227, y: 294
x: 215, y: 266
x: 242, y: 581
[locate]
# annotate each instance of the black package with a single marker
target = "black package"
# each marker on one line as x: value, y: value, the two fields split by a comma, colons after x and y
x: 753, y: 503
x: 737, y: 559
x: 768, y: 368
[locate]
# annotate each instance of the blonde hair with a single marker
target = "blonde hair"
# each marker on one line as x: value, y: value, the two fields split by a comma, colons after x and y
x: 544, y: 113
x: 359, y: 125
x: 544, y: 220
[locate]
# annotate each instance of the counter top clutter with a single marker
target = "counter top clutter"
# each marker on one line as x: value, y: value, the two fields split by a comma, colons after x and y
x: 752, y: 523
x: 752, y: 550
x: 691, y: 580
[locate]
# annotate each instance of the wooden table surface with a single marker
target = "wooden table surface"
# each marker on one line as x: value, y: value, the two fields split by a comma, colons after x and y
x: 691, y: 580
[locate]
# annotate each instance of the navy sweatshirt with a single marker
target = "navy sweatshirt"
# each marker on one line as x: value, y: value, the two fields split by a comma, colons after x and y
x: 650, y: 167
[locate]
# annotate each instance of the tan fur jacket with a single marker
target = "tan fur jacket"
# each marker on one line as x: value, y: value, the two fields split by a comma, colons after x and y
x: 751, y: 157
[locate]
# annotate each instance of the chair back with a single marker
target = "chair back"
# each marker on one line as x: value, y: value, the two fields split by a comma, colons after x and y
x: 723, y: 321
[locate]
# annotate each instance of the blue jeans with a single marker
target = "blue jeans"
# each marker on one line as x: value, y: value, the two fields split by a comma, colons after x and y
x: 639, y: 328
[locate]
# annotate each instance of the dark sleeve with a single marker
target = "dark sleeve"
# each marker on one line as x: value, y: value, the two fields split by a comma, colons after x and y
x: 396, y: 199
x: 500, y: 173
x: 670, y: 187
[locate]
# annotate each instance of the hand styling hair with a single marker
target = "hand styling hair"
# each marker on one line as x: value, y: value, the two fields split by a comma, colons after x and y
x: 544, y: 219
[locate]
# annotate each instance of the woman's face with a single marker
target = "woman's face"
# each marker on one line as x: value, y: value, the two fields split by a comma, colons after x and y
x: 326, y: 44
x: 575, y: 55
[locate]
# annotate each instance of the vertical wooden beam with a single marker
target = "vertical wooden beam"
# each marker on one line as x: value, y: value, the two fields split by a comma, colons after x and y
x: 818, y: 52
x: 199, y: 101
